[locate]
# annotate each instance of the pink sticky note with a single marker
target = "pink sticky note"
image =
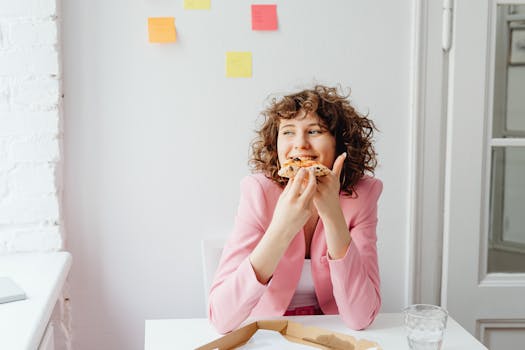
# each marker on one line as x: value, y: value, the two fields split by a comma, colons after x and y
x: 264, y: 17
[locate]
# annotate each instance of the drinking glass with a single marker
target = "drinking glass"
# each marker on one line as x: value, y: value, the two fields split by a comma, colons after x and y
x: 425, y: 326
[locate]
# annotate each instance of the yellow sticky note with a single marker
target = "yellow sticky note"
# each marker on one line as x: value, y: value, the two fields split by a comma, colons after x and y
x: 197, y: 4
x: 162, y: 30
x: 238, y: 64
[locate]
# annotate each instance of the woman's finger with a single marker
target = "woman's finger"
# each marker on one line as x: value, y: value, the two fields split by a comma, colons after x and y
x: 311, y: 187
x: 297, y: 181
x: 338, y: 165
x: 288, y: 185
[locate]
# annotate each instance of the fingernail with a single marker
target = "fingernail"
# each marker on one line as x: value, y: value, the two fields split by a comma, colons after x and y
x: 344, y: 154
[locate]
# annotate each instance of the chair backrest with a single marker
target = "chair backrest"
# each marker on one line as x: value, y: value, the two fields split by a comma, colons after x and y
x: 211, y: 251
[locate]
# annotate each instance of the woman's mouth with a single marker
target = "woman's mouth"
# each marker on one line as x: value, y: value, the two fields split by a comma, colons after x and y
x: 302, y: 157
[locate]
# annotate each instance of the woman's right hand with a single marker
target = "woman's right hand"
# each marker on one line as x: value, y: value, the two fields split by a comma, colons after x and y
x: 295, y: 205
x: 292, y: 211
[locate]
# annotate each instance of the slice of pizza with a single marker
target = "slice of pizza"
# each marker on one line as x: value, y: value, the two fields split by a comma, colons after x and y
x: 292, y: 166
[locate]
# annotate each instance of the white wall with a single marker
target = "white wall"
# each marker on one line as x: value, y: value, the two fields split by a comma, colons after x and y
x: 156, y: 141
x: 30, y: 182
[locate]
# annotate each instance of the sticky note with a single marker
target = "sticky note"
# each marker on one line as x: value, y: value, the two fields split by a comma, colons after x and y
x: 238, y: 64
x: 197, y: 4
x: 161, y: 30
x: 264, y: 17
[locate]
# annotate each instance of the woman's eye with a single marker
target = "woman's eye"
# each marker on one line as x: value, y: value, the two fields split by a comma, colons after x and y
x: 286, y: 133
x: 314, y: 132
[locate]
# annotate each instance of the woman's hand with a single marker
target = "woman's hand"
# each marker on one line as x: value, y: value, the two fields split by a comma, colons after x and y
x: 326, y: 199
x: 295, y: 205
x: 291, y: 212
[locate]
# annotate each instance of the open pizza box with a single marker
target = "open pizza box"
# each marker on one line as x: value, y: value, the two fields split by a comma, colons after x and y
x: 295, y: 332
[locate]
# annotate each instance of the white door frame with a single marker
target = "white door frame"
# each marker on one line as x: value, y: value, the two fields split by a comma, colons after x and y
x: 428, y: 146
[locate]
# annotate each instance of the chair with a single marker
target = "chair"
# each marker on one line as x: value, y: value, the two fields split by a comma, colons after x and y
x: 211, y: 251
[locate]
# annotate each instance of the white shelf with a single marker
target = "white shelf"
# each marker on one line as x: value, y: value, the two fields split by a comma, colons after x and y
x: 41, y: 276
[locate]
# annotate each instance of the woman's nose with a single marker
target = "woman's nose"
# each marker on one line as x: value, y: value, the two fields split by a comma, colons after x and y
x: 301, y: 141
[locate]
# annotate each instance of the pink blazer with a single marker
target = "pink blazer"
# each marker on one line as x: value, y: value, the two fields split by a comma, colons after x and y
x: 348, y: 286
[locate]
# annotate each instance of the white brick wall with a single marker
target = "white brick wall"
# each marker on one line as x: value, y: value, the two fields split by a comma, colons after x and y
x: 30, y: 134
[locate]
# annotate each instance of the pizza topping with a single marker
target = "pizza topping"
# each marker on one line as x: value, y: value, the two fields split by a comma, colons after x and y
x: 292, y: 166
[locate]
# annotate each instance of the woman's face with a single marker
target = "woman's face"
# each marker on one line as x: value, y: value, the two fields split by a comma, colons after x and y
x: 305, y: 136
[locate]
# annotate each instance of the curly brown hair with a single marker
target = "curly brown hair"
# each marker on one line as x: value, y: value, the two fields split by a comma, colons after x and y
x: 353, y: 133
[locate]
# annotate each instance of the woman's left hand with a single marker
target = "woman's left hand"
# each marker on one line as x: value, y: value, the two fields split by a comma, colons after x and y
x: 326, y: 199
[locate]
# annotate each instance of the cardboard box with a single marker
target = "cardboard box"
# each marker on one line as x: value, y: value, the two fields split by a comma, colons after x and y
x: 295, y: 332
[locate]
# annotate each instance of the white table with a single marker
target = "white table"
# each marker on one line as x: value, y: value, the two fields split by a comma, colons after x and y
x: 41, y: 276
x: 388, y: 330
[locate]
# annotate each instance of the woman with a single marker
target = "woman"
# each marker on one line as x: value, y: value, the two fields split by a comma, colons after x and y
x: 304, y: 245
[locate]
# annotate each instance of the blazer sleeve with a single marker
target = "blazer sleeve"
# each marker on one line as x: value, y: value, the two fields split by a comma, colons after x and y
x: 355, y: 277
x: 235, y: 290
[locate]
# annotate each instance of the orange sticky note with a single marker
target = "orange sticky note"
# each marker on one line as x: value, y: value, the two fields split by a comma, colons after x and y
x: 264, y: 17
x: 238, y: 64
x: 162, y: 30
